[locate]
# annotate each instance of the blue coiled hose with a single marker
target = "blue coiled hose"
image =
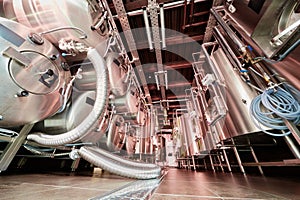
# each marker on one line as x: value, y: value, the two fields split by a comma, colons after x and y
x: 274, y: 106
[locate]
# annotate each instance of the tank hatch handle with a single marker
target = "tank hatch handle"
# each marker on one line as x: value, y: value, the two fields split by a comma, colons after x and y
x: 17, y: 56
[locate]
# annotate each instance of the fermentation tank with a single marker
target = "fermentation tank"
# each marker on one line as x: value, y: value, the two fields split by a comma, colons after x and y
x: 69, y: 82
x: 32, y: 76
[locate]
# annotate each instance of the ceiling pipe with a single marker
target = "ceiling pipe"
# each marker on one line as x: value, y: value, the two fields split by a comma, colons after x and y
x: 166, y: 6
x: 162, y: 26
x: 156, y: 80
x: 169, y: 100
x: 175, y: 97
x: 182, y: 110
x: 122, y: 16
x: 147, y: 26
x: 228, y: 30
x: 157, y: 74
x: 173, y: 85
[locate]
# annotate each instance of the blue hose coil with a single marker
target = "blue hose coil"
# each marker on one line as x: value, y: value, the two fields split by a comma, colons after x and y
x: 272, y: 107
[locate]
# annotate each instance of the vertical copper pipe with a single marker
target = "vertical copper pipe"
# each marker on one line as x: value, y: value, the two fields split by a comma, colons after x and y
x: 184, y: 15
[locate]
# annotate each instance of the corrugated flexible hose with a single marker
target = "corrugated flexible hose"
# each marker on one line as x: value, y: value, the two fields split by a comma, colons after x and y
x: 119, y: 165
x: 90, y: 121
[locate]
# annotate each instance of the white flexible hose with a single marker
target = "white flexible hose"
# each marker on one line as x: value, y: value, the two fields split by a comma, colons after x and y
x: 91, y: 120
x: 119, y: 165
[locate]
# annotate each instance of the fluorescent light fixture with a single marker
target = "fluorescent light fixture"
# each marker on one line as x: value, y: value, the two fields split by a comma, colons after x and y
x: 145, y: 14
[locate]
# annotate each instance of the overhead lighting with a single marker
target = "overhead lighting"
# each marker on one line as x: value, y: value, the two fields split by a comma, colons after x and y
x: 145, y: 14
x: 162, y: 26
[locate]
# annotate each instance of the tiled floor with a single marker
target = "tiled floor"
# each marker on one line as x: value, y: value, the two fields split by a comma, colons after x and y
x: 57, y: 186
x: 184, y: 185
x: 177, y: 185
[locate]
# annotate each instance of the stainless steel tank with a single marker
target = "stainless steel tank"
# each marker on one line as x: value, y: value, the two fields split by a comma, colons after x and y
x: 187, y: 134
x: 31, y: 74
x: 44, y: 16
x: 238, y: 96
x: 116, y: 134
x: 118, y: 73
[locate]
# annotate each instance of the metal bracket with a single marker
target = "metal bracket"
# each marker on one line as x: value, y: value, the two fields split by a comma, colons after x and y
x: 158, y: 78
x: 122, y: 15
x: 17, y: 56
x: 12, y: 148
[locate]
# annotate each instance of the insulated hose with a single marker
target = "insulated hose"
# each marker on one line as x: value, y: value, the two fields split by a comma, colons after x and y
x: 119, y: 165
x: 90, y: 121
x: 274, y: 106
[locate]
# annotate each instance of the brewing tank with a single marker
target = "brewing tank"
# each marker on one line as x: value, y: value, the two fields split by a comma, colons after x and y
x: 238, y: 96
x: 31, y: 75
x: 46, y: 16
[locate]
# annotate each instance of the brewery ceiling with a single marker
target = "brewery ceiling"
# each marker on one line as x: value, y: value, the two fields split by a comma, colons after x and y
x: 165, y: 72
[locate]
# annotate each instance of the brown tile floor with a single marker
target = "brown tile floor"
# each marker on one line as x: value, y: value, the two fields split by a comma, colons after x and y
x: 177, y: 185
x: 184, y: 185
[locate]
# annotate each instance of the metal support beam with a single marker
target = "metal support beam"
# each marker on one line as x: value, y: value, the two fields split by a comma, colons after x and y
x: 294, y: 130
x: 173, y: 40
x: 193, y: 161
x: 122, y: 16
x: 238, y: 157
x: 220, y: 161
x: 12, y: 148
x: 294, y: 149
x: 134, y: 6
x: 256, y: 160
x: 170, y: 66
x: 227, y: 161
x: 212, y: 163
x: 211, y: 23
x: 152, y: 7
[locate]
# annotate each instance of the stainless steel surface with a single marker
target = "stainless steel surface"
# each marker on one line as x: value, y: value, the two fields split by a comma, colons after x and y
x: 33, y: 88
x: 285, y: 70
x: 17, y: 56
x: 67, y: 70
x: 189, y: 132
x: 128, y: 102
x: 117, y: 74
x: 230, y: 33
x: 283, y: 14
x: 215, y: 82
x: 43, y: 16
x: 237, y: 120
x: 131, y: 141
x: 86, y: 130
x: 116, y: 134
x: 122, y: 15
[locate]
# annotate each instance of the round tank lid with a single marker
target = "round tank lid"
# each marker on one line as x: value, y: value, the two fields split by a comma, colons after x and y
x: 39, y: 76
